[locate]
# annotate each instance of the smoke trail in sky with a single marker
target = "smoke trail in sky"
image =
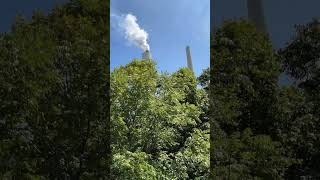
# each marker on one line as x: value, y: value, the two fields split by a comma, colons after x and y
x: 133, y: 32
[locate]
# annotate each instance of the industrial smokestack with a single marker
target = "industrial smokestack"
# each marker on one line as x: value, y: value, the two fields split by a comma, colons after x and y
x: 189, y: 60
x: 256, y: 14
x: 146, y: 55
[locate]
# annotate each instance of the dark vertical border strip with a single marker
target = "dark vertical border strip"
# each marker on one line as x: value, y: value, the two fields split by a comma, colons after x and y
x: 212, y: 27
x: 109, y: 152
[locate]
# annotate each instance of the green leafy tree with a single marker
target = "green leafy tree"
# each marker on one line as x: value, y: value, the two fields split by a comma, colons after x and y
x: 301, y: 62
x: 156, y: 124
x: 244, y: 79
x: 244, y: 93
x: 247, y: 156
x: 54, y: 94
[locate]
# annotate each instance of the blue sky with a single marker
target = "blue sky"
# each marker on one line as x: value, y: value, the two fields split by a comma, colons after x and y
x: 9, y: 10
x: 281, y: 16
x: 171, y: 25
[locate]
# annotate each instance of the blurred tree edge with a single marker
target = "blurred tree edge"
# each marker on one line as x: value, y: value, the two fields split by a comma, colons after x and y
x: 54, y: 93
x: 261, y: 129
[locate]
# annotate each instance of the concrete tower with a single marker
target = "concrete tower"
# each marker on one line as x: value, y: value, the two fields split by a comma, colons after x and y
x: 256, y: 14
x: 189, y: 60
x: 146, y: 55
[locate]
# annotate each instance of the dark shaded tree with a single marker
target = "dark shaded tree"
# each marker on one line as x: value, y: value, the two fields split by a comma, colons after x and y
x: 301, y: 62
x: 244, y: 90
x: 54, y: 94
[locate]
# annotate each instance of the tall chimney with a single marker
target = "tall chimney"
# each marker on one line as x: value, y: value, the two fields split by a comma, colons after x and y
x: 146, y: 55
x: 189, y: 60
x: 256, y: 14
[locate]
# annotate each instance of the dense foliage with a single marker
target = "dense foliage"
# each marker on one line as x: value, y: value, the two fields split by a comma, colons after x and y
x: 54, y: 112
x: 261, y: 129
x: 54, y: 94
x: 301, y: 59
x: 159, y: 127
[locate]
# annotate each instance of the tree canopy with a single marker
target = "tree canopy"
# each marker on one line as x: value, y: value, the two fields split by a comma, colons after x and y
x: 59, y: 103
x: 157, y: 129
x: 54, y: 82
x: 261, y: 129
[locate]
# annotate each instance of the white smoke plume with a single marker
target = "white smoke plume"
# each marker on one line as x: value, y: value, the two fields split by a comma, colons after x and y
x: 133, y: 33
